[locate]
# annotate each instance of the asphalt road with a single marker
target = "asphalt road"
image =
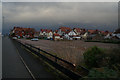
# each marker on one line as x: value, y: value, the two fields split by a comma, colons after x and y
x: 13, y: 66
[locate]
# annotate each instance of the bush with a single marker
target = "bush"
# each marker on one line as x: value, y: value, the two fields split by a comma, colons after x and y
x: 93, y: 56
x: 112, y: 57
x: 102, y: 73
x: 105, y: 41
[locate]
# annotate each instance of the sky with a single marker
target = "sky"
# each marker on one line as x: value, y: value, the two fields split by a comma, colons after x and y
x: 60, y: 0
x: 51, y: 15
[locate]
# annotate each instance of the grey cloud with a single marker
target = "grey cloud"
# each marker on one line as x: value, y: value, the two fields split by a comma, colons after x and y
x: 102, y: 13
x: 80, y: 12
x: 60, y: 0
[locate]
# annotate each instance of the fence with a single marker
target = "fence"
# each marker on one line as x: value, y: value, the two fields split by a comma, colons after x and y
x: 64, y: 70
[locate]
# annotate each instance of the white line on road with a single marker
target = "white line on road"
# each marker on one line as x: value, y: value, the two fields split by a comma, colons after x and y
x: 25, y: 65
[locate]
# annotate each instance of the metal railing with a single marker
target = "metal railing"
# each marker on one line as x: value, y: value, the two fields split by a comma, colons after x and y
x: 64, y: 70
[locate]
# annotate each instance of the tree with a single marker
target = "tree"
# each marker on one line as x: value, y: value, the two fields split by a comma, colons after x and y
x: 13, y: 34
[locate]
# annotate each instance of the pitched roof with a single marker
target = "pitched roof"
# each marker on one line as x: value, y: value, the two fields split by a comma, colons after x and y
x: 78, y: 29
x: 65, y: 29
x: 55, y: 34
x: 92, y: 31
x: 83, y: 32
x: 24, y: 29
x: 49, y: 31
x: 102, y: 32
x: 56, y: 31
x: 46, y: 30
x: 105, y: 32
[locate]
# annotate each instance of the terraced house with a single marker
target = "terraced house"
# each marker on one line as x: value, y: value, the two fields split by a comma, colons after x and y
x: 46, y: 33
x: 63, y: 30
x: 20, y: 32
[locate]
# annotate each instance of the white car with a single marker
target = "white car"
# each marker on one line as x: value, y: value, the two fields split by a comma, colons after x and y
x: 34, y: 39
x: 14, y: 38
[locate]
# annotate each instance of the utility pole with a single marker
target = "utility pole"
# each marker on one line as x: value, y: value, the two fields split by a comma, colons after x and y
x: 3, y: 23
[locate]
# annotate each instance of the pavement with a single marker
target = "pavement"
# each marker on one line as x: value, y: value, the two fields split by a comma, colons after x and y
x: 20, y: 63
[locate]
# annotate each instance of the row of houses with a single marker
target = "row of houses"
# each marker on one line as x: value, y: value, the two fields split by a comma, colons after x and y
x: 22, y: 32
x: 65, y: 33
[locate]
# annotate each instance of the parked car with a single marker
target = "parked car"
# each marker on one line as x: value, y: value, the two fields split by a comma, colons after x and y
x: 49, y: 38
x: 14, y: 38
x: 34, y: 39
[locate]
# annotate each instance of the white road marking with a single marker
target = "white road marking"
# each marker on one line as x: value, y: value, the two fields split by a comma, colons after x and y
x: 25, y: 65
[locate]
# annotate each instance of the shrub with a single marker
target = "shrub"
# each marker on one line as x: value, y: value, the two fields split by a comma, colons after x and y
x: 93, y: 56
x: 112, y: 57
x: 102, y: 73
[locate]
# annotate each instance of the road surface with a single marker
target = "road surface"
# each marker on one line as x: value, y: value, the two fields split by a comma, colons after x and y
x: 13, y: 66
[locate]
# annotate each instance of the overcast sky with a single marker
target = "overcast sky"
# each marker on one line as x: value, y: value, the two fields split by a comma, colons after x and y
x: 60, y: 0
x: 91, y: 15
